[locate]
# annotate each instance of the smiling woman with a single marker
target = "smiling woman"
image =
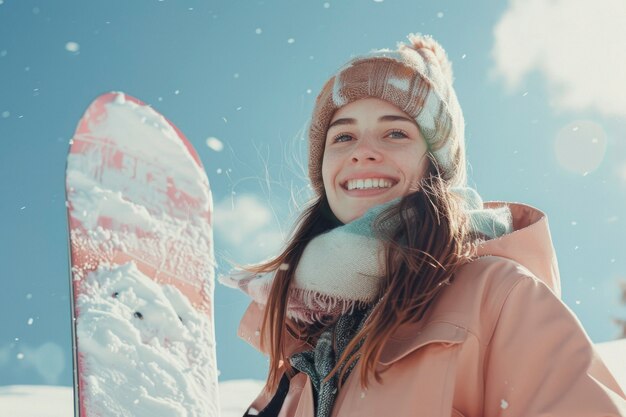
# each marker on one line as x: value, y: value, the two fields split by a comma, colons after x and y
x: 370, y: 157
x: 401, y: 292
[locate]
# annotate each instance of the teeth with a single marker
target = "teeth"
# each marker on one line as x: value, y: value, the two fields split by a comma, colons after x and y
x: 368, y: 183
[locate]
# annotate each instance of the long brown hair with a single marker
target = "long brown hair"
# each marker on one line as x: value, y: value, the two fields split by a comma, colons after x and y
x: 431, y: 241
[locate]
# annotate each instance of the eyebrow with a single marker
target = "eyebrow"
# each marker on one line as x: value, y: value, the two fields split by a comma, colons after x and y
x: 387, y: 118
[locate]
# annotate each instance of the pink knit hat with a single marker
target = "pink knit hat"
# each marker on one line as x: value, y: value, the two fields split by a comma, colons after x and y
x: 417, y: 78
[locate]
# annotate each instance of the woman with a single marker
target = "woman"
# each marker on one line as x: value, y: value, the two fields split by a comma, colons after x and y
x: 400, y: 293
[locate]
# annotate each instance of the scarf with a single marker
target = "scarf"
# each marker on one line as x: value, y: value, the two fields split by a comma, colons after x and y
x: 341, y: 270
x: 318, y: 362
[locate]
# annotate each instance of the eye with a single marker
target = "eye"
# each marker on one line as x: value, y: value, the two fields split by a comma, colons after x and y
x: 399, y: 134
x: 343, y: 137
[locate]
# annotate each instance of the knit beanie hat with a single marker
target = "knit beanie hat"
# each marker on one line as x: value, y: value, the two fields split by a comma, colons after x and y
x: 417, y: 78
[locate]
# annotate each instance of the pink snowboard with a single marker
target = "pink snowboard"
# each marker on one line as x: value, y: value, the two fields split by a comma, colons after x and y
x: 139, y: 211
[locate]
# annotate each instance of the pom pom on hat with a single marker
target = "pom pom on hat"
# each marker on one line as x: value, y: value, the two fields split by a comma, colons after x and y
x: 420, y: 42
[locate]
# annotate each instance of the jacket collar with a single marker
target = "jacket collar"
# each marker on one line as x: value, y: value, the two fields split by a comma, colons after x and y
x: 530, y: 244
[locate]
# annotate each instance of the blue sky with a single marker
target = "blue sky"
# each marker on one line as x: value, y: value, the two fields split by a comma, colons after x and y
x: 539, y: 83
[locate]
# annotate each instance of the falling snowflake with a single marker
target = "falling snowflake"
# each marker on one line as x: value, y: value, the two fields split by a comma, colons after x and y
x: 72, y: 47
x: 215, y: 144
x: 504, y: 405
x: 258, y: 31
x: 291, y: 40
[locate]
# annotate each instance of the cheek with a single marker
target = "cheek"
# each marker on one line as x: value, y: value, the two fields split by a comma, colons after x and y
x: 413, y: 165
x: 327, y: 170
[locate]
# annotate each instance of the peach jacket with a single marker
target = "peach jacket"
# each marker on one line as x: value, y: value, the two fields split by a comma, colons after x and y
x: 497, y: 342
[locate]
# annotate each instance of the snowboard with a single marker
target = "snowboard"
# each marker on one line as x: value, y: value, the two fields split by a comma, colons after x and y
x: 142, y: 265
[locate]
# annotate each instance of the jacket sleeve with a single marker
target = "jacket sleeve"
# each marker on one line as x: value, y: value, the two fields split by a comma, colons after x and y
x: 540, y: 361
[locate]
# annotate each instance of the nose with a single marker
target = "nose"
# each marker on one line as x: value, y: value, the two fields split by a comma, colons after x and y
x: 365, y: 150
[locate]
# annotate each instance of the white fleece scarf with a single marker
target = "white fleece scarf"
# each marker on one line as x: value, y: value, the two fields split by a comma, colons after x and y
x: 339, y: 270
x: 342, y: 269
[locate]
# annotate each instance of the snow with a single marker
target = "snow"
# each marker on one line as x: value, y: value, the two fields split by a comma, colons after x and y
x: 153, y: 357
x: 613, y: 354
x: 126, y: 119
x: 51, y: 401
x: 215, y: 144
x: 35, y: 400
x: 72, y: 47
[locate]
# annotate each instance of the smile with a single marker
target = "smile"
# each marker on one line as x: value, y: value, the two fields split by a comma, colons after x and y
x: 365, y: 184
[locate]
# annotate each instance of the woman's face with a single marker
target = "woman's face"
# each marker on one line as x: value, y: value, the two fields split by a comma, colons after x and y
x: 374, y: 152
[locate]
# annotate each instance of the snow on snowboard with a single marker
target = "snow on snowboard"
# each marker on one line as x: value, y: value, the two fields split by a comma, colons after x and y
x: 142, y: 266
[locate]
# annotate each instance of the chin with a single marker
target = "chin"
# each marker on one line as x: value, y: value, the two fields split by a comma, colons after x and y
x: 355, y: 214
x: 354, y: 211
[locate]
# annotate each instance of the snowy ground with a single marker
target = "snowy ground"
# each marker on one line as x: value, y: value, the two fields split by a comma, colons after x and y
x: 50, y: 401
